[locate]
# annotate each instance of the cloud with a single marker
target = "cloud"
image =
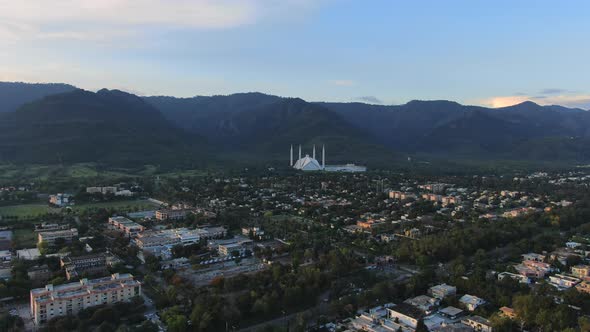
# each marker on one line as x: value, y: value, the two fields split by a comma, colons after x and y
x: 553, y: 91
x: 370, y: 99
x: 568, y: 100
x: 81, y: 19
x: 343, y: 82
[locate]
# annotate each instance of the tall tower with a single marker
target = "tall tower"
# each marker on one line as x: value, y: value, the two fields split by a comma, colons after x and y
x: 299, y: 151
x: 291, y: 160
x: 323, y: 157
x: 314, y: 151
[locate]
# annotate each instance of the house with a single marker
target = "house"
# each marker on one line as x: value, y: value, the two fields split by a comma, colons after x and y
x: 583, y: 287
x: 60, y: 200
x: 405, y: 314
x: 581, y: 271
x: 451, y: 312
x: 519, y: 277
x: 533, y: 257
x: 561, y: 281
x: 478, y: 323
x: 443, y: 290
x: 471, y: 302
x: 508, y: 312
x: 533, y: 269
x: 425, y: 303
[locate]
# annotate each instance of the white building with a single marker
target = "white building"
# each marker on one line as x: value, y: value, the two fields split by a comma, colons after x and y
x: 308, y: 163
x: 471, y: 302
x: 68, y: 299
x: 443, y: 290
x: 561, y: 281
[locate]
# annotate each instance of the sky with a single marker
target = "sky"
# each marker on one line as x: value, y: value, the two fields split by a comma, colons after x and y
x: 491, y: 53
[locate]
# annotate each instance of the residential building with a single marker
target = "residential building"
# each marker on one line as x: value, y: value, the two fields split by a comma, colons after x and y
x: 443, y: 290
x: 39, y: 273
x: 519, y: 277
x: 562, y: 281
x: 581, y: 271
x: 28, y: 254
x: 102, y: 190
x: 231, y: 249
x: 255, y: 231
x: 405, y: 314
x: 425, y: 303
x: 369, y: 224
x: 50, y: 237
x: 47, y: 227
x: 533, y: 269
x: 129, y: 227
x: 533, y: 257
x: 401, y: 195
x: 68, y: 299
x: 60, y: 200
x: 84, y: 265
x: 471, y: 302
x: 179, y: 214
x: 508, y: 312
x: 478, y: 323
x: 451, y: 313
x: 583, y: 287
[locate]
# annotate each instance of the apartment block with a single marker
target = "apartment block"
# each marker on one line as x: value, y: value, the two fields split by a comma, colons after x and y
x: 171, y: 214
x: 50, y: 237
x: 84, y: 265
x: 127, y: 226
x: 68, y: 299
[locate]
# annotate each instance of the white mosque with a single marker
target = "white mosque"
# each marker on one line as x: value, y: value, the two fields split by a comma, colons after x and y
x: 308, y: 163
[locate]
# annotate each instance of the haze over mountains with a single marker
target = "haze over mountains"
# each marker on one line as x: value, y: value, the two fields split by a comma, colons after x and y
x: 59, y: 123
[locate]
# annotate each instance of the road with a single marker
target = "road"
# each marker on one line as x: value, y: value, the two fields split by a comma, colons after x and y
x: 151, y: 312
x: 23, y: 310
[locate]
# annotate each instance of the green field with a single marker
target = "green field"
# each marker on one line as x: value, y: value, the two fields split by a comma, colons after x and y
x: 26, y: 210
x: 130, y: 205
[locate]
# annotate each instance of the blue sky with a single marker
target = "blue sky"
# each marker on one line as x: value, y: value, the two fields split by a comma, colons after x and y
x: 491, y: 53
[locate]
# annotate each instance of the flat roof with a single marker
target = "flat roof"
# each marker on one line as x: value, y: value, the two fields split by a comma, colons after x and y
x: 450, y: 311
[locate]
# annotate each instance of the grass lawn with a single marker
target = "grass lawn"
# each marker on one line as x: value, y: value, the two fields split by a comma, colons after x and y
x: 26, y: 210
x: 118, y: 205
x: 24, y: 238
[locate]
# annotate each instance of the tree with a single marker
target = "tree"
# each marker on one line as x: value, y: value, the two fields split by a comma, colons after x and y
x: 420, y: 326
x: 176, y: 323
x: 43, y: 247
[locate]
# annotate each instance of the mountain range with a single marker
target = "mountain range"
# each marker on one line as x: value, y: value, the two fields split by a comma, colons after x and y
x: 57, y: 123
